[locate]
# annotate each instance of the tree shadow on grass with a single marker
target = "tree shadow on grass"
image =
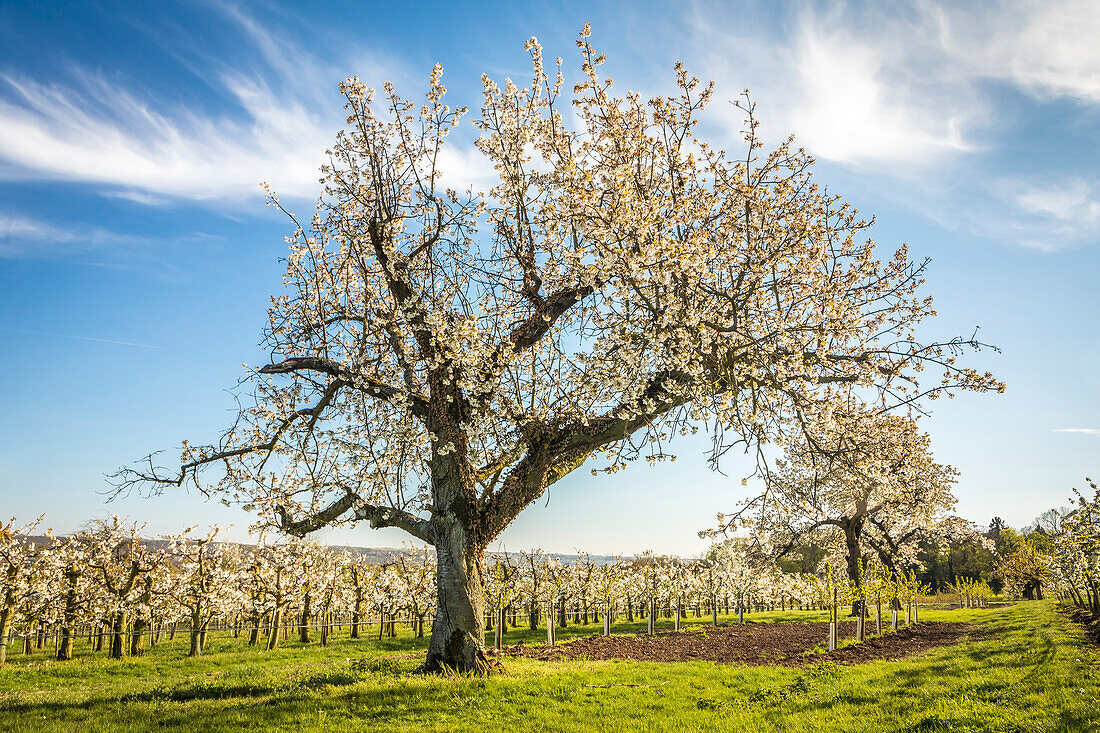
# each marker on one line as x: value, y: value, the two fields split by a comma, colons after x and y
x: 987, y: 648
x: 213, y: 689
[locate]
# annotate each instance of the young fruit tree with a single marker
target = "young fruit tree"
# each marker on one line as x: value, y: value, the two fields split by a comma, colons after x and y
x: 202, y: 578
x: 440, y: 358
x: 21, y: 572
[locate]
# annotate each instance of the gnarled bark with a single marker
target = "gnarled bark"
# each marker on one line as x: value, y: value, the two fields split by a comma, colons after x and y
x: 458, y: 630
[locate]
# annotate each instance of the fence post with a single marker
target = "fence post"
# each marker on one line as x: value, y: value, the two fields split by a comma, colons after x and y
x: 649, y: 616
x: 832, y: 624
x: 498, y: 636
x: 676, y: 614
x: 550, y: 625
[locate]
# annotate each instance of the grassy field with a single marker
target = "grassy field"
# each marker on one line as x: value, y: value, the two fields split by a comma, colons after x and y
x: 1028, y: 670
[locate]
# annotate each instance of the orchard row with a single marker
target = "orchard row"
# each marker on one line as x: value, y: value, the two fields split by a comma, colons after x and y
x: 120, y: 592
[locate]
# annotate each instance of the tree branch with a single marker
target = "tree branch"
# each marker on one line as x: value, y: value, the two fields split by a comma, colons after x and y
x: 553, y: 453
x: 536, y: 326
x: 127, y: 477
x: 376, y: 388
x: 378, y: 516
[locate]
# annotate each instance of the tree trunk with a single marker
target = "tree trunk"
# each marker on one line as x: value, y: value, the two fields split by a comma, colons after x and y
x: 254, y: 632
x: 276, y: 620
x: 65, y: 650
x: 5, y: 628
x: 852, y: 555
x: 458, y: 631
x: 137, y: 638
x: 196, y: 624
x: 303, y: 629
x: 118, y: 635
x: 357, y: 612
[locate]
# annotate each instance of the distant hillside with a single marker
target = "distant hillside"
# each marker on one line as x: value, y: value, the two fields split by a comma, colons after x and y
x: 373, y: 555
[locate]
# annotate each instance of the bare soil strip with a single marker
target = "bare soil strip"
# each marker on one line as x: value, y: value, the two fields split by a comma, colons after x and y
x: 787, y: 644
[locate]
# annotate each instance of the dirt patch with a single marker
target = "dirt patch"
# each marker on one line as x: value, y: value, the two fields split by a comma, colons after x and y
x: 788, y: 644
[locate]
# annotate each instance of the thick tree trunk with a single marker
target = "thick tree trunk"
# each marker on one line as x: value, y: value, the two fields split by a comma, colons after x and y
x: 196, y: 627
x: 5, y: 628
x: 852, y: 555
x: 356, y: 614
x: 276, y: 620
x: 254, y: 632
x: 137, y: 638
x: 303, y: 629
x: 7, y: 611
x: 458, y: 631
x: 118, y: 635
x: 65, y: 649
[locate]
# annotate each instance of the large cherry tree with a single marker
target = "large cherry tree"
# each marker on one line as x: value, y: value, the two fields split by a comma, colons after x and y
x: 440, y: 358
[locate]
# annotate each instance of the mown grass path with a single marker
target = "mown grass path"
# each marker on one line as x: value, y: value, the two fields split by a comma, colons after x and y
x: 1028, y: 670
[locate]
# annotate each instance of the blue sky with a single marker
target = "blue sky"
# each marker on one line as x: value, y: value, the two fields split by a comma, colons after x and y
x: 137, y: 256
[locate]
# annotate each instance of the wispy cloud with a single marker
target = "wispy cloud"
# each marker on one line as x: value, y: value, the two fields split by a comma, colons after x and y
x: 24, y: 237
x: 1086, y: 431
x: 115, y: 342
x: 71, y: 133
x: 905, y: 84
x: 862, y: 100
x: 285, y: 113
x: 901, y: 92
x: 96, y: 129
x: 1072, y: 202
x: 138, y: 197
x: 913, y: 92
x: 1046, y: 48
x: 1053, y: 216
x: 21, y: 236
x: 846, y: 87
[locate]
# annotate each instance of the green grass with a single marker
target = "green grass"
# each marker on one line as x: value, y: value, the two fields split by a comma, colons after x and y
x: 1027, y: 671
